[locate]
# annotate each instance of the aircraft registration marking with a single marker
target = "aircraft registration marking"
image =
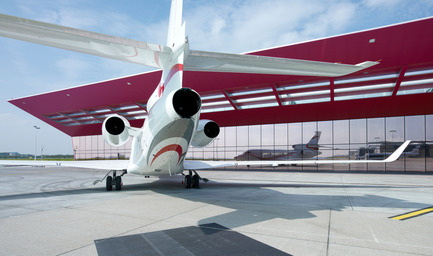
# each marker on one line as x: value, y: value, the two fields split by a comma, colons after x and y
x: 413, y: 214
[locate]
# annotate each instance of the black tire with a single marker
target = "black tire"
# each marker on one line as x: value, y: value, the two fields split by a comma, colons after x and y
x: 195, y: 181
x: 109, y: 183
x: 188, y: 181
x: 118, y: 183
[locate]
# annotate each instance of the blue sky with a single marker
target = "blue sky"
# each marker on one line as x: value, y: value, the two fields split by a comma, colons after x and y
x: 213, y: 25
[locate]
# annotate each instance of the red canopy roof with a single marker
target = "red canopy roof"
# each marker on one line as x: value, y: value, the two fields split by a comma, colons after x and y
x: 399, y: 85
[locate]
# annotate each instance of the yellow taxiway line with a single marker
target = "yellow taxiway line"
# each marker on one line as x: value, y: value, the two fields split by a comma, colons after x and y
x: 412, y: 214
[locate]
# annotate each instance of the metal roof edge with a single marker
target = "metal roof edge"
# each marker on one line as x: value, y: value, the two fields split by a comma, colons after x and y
x: 78, y: 86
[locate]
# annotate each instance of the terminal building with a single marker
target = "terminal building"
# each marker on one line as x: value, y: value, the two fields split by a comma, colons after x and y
x: 367, y: 114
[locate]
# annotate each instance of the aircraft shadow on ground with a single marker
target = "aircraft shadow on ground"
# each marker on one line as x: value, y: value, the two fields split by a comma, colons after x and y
x: 252, y: 202
x: 207, y: 239
x: 244, y: 204
x: 236, y: 204
x: 257, y: 202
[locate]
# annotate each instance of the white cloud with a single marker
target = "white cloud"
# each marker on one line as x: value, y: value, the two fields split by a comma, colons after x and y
x: 84, y: 16
x: 333, y: 19
x: 72, y: 67
x: 377, y: 3
x: 250, y: 25
x: 235, y: 26
x: 397, y: 10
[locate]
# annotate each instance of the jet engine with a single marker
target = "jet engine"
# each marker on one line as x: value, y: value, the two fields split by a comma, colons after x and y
x: 206, y: 132
x: 115, y: 130
x: 186, y: 102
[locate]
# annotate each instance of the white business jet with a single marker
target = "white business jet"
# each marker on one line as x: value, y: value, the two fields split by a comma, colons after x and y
x: 300, y: 151
x: 173, y: 123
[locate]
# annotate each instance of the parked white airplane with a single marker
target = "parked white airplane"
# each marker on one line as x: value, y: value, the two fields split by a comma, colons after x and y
x: 300, y: 151
x: 173, y: 123
x: 371, y: 154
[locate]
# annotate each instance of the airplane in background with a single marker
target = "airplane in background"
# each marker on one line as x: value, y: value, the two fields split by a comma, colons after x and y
x: 173, y: 123
x: 370, y: 153
x: 300, y: 151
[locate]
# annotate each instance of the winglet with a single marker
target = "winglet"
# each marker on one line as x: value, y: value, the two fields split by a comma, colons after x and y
x: 394, y: 156
x: 367, y: 64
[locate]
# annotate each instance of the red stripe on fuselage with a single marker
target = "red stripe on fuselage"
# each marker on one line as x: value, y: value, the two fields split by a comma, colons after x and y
x: 176, y: 68
x: 173, y: 147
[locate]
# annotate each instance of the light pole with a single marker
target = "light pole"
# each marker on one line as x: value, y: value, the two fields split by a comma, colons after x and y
x: 392, y: 134
x: 36, y: 139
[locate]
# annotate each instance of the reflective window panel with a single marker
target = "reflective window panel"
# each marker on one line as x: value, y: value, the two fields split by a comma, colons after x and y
x: 373, y: 138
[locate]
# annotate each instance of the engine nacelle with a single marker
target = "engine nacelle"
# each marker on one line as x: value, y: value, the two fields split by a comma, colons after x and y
x: 206, y: 132
x: 299, y: 147
x: 186, y: 102
x: 114, y: 130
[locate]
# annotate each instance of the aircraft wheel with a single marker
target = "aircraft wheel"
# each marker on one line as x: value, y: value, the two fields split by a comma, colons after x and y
x: 109, y: 183
x: 118, y: 183
x: 196, y: 181
x: 188, y: 181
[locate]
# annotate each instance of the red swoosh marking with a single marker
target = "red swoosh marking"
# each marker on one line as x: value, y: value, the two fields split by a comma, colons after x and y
x: 176, y: 68
x: 173, y: 147
x: 311, y: 147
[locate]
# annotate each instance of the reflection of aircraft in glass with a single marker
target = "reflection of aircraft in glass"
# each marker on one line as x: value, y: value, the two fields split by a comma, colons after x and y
x: 300, y: 151
x: 372, y: 153
x: 414, y: 153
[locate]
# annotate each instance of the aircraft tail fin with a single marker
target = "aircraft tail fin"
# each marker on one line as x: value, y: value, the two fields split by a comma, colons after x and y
x: 176, y: 30
x: 314, y: 142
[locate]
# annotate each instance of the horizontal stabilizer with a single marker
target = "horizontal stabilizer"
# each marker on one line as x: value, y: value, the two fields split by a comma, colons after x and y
x: 194, y: 164
x: 83, y: 41
x: 154, y: 55
x: 239, y: 63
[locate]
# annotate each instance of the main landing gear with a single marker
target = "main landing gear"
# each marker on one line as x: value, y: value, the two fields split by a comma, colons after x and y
x: 111, y: 181
x: 114, y: 181
x: 193, y: 181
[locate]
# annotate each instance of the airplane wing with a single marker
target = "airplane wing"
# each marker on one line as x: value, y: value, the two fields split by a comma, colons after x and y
x: 195, y: 164
x: 239, y: 63
x: 83, y: 41
x: 91, y: 164
x: 198, y: 165
x: 151, y: 54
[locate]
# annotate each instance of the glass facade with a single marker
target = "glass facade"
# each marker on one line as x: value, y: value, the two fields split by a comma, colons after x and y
x: 372, y: 138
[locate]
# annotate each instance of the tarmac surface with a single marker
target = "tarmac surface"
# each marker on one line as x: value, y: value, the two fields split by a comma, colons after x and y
x: 58, y: 211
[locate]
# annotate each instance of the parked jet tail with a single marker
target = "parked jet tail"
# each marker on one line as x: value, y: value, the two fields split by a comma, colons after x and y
x: 314, y: 142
